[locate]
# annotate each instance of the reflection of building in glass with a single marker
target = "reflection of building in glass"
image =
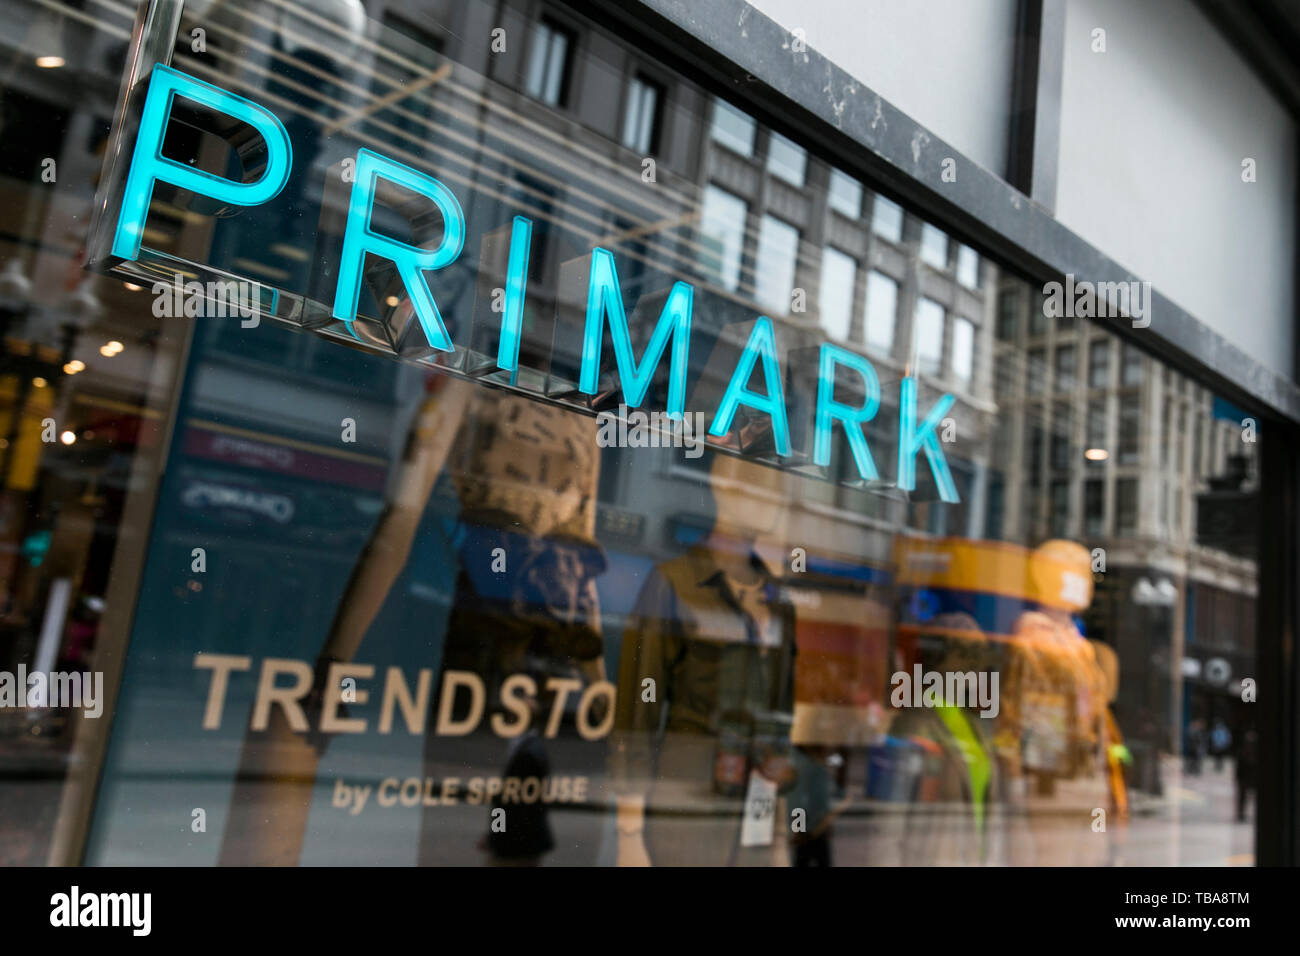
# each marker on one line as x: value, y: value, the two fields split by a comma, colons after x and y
x: 1100, y: 444
x: 380, y: 549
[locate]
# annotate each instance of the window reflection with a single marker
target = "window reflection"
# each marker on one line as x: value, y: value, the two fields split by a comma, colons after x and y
x: 548, y: 64
x: 722, y: 236
x: 733, y: 128
x: 887, y: 219
x: 928, y: 341
x: 838, y: 274
x: 522, y: 573
x: 882, y: 311
x: 774, y: 268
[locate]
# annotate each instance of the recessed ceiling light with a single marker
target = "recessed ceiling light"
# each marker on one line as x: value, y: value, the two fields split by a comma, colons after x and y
x: 49, y: 62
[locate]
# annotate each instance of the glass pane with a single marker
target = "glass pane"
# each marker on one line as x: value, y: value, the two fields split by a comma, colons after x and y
x: 310, y: 556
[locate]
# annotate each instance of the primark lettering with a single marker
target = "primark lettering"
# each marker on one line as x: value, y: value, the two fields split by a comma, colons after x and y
x: 605, y: 304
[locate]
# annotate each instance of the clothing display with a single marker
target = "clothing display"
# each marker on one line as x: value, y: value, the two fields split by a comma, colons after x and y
x: 706, y: 686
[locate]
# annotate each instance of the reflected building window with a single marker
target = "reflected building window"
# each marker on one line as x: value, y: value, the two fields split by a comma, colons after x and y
x: 1131, y: 368
x: 1065, y: 361
x: 722, y: 236
x: 844, y: 194
x: 968, y: 267
x: 1034, y: 444
x: 1095, y: 428
x: 1037, y: 372
x: 641, y: 121
x: 1062, y: 435
x: 732, y: 128
x: 927, y: 341
x: 1008, y: 312
x: 548, y: 64
x: 774, y: 270
x: 1099, y: 364
x: 963, y: 350
x: 835, y: 302
x: 1060, y: 503
x: 882, y: 311
x: 1130, y: 427
x: 887, y: 219
x: 934, y: 246
x: 785, y: 160
x: 1126, y: 507
x: 1166, y: 416
x: 1094, y: 508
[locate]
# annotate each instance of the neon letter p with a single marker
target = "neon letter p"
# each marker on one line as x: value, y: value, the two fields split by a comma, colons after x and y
x: 149, y: 165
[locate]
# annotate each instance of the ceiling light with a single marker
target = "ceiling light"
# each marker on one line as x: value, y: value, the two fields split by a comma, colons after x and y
x: 68, y: 437
x: 1096, y: 454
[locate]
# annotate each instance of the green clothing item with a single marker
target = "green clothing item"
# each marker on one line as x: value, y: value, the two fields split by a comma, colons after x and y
x: 951, y: 825
x: 971, y: 748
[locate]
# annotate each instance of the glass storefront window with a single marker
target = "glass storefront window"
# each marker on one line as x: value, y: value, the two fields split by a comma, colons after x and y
x: 362, y: 597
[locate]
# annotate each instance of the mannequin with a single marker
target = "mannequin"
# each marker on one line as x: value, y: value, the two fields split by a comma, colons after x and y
x: 713, y: 632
